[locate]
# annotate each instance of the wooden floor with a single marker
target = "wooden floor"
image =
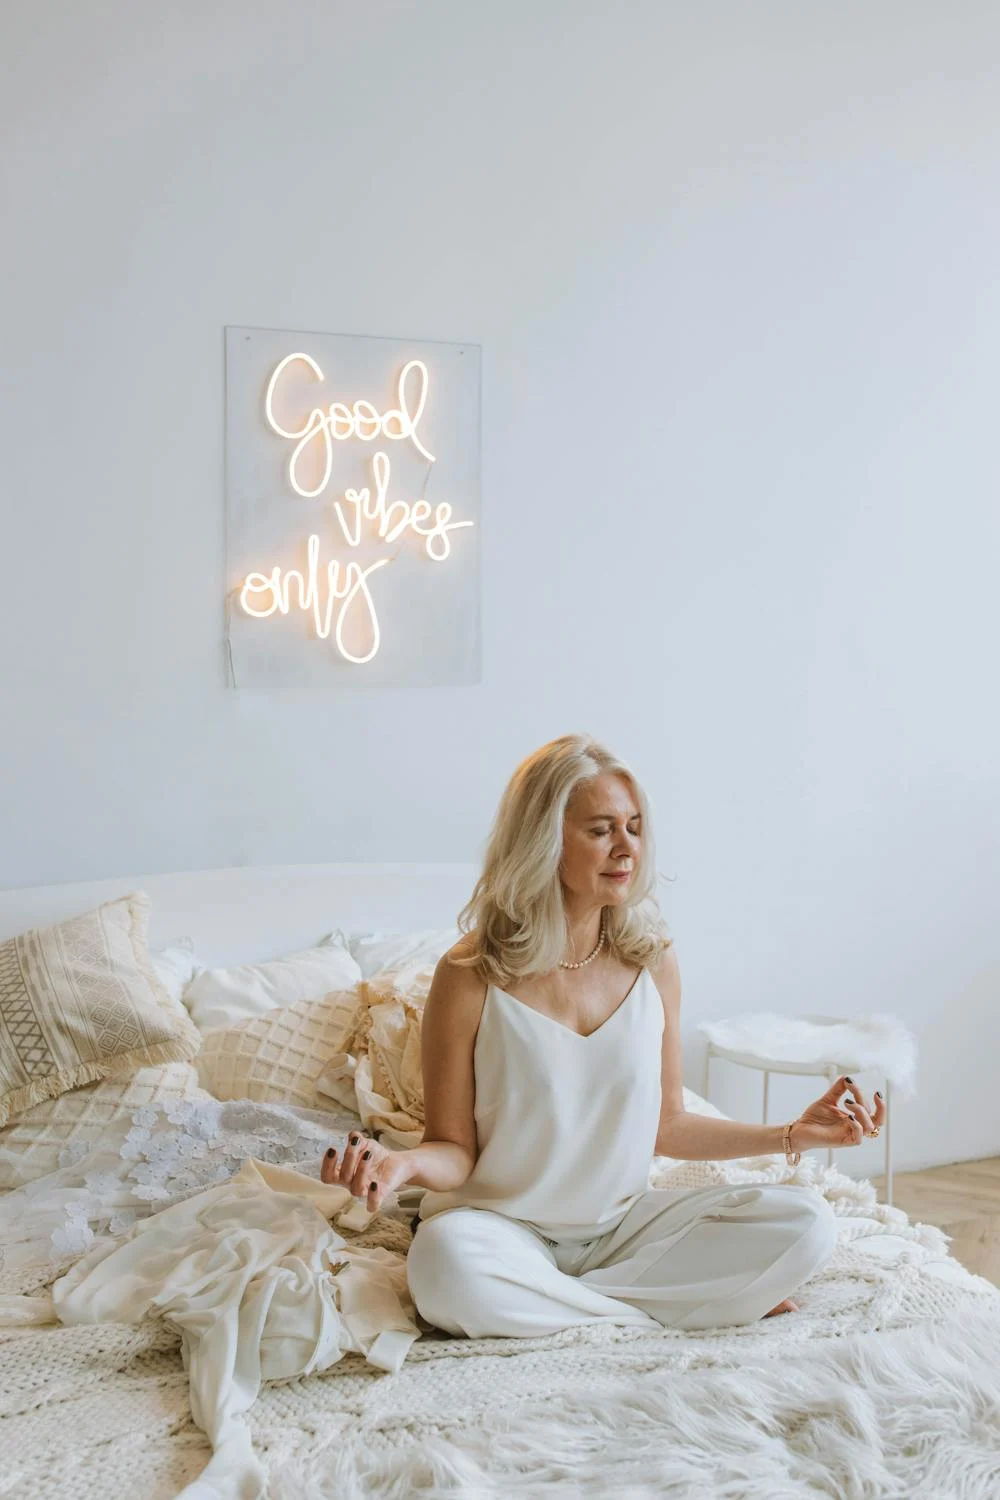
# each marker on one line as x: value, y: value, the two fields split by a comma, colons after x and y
x: 963, y: 1200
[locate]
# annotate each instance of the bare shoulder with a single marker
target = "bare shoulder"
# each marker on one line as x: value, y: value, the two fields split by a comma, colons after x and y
x: 666, y: 974
x: 463, y: 948
x: 458, y: 981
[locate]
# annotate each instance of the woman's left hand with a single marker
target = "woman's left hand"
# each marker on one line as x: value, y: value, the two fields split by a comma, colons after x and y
x: 836, y: 1120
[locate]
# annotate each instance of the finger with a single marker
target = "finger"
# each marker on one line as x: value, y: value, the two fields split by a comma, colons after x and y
x: 855, y: 1130
x: 864, y: 1117
x: 374, y: 1190
x: 859, y: 1097
x: 362, y: 1173
x: 352, y: 1151
x: 837, y: 1089
x: 880, y: 1108
x: 333, y: 1168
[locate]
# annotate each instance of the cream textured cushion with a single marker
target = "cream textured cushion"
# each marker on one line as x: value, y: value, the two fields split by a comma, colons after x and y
x: 225, y: 997
x: 60, y: 1131
x: 275, y: 1059
x: 80, y: 1001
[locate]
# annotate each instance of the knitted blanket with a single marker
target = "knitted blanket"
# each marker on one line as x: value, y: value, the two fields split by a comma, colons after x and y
x: 882, y: 1383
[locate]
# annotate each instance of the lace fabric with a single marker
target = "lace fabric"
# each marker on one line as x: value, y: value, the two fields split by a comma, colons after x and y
x: 158, y: 1156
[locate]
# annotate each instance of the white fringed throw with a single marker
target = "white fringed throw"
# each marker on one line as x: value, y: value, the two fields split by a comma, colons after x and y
x: 877, y: 1041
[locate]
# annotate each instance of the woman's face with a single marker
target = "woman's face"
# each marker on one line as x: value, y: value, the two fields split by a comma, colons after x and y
x: 602, y: 834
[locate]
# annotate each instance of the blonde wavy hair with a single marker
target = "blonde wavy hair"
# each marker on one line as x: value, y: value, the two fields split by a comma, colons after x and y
x: 515, y: 918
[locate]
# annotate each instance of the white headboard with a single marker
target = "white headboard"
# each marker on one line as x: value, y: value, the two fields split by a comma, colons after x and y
x: 250, y: 913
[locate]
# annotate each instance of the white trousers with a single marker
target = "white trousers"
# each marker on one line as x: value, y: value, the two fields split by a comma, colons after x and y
x: 681, y: 1258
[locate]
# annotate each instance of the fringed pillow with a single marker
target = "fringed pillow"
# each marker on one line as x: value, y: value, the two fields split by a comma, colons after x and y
x: 81, y: 1001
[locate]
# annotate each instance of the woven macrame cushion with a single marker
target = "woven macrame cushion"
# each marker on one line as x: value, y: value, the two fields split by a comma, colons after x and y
x: 81, y: 1001
x: 275, y: 1059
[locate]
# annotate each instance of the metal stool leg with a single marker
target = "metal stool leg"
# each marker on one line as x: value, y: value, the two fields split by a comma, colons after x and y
x: 767, y: 1079
x: 886, y: 1130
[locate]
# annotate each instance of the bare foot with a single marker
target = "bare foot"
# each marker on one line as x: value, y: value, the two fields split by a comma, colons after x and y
x: 787, y: 1306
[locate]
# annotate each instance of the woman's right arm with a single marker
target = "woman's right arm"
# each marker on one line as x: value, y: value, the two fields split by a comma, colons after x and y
x: 449, y: 1149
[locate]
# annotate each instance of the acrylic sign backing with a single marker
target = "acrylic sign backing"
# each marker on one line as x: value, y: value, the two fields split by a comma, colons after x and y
x: 353, y: 510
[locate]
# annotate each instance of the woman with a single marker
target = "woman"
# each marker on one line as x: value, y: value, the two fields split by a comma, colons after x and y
x: 551, y: 1056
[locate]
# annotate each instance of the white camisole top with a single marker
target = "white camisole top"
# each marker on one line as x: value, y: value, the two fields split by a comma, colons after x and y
x: 566, y: 1124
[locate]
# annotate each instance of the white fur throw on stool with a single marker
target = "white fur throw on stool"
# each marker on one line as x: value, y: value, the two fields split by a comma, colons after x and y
x: 880, y: 1042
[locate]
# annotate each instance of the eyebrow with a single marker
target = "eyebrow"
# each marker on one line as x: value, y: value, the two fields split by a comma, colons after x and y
x: 610, y: 817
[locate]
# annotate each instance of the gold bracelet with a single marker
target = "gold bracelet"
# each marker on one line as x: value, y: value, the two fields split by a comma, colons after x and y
x: 792, y: 1158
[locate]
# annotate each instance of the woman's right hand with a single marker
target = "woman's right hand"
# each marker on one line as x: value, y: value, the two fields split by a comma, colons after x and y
x: 835, y: 1120
x: 370, y: 1170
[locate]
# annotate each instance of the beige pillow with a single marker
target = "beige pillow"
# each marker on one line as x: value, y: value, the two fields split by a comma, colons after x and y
x: 58, y: 1132
x: 80, y: 1001
x: 274, y: 1059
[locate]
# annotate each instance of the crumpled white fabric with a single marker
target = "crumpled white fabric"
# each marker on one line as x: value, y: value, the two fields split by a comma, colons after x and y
x: 376, y: 1073
x: 261, y: 1287
x: 879, y: 1041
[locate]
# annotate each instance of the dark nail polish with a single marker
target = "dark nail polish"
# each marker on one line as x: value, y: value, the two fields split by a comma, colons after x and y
x: 372, y: 1186
x: 354, y: 1140
x: 331, y: 1152
x: 877, y: 1094
x: 365, y: 1155
x: 852, y: 1083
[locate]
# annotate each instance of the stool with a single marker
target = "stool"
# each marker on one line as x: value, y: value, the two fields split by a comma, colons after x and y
x: 828, y: 1070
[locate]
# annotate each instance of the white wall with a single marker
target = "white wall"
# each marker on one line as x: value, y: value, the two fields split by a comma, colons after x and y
x: 733, y: 269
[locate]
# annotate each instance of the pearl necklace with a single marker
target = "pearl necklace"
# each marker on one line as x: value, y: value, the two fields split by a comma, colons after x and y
x: 590, y: 959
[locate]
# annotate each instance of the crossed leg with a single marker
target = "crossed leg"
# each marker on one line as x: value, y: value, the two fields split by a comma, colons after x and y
x: 680, y: 1258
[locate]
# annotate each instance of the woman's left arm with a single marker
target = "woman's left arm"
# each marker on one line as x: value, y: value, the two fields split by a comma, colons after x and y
x: 692, y: 1137
x: 684, y: 1136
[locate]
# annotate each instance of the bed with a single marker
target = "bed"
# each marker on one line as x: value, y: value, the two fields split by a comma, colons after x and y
x: 883, y: 1383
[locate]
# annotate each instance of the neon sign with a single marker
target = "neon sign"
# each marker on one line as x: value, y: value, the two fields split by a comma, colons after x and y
x: 321, y: 588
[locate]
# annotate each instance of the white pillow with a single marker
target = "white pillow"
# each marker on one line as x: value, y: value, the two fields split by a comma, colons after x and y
x: 175, y: 966
x: 224, y: 997
x: 375, y: 951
